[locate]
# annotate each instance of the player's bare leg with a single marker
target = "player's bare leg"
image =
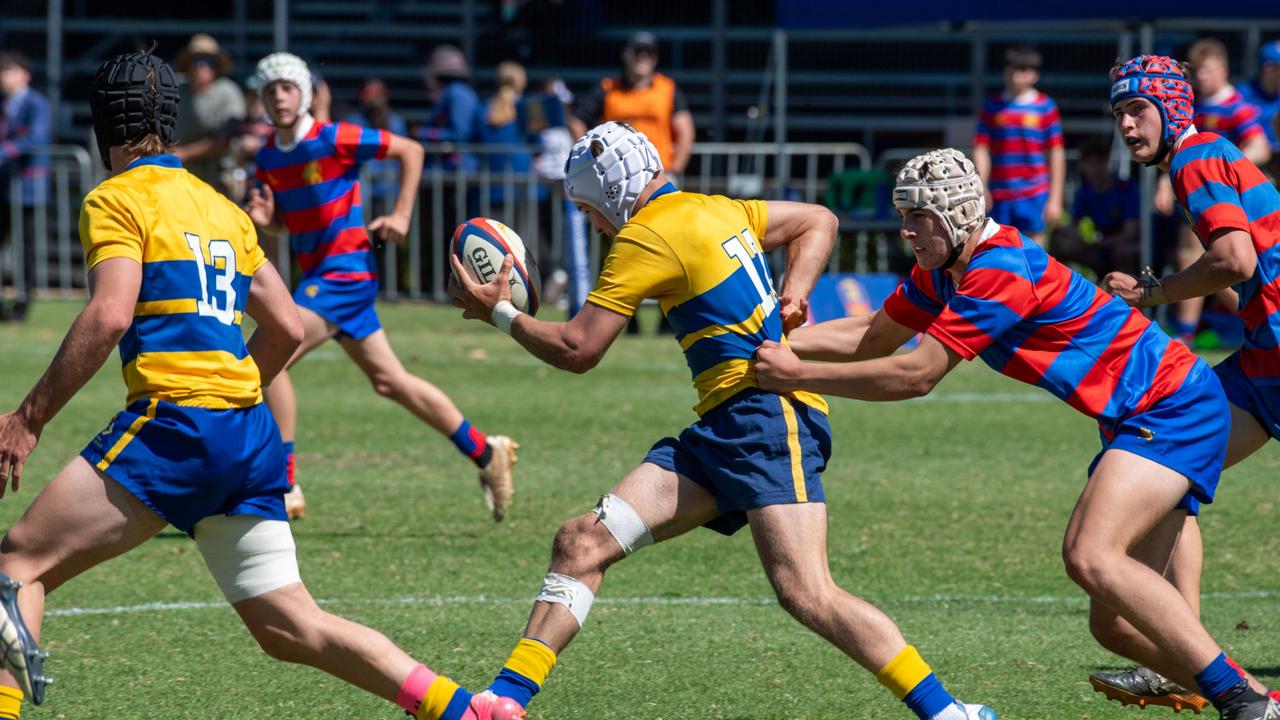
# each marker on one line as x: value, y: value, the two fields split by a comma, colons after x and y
x: 792, y: 543
x: 494, y: 459
x: 1137, y: 686
x: 80, y: 519
x: 283, y: 403
x: 651, y: 502
x: 1127, y: 499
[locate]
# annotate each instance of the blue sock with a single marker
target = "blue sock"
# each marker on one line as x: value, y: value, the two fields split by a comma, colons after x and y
x: 928, y: 698
x: 1182, y: 328
x: 457, y: 706
x: 1218, y: 677
x: 512, y: 684
x: 472, y: 443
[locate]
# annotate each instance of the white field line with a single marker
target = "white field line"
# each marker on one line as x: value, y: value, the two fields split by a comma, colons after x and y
x: 490, y: 600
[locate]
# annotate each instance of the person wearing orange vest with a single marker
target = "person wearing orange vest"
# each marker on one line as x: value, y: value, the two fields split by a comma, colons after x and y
x: 646, y: 100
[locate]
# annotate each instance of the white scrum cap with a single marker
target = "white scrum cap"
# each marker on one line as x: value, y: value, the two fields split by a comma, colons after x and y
x: 608, y: 168
x: 946, y: 183
x: 284, y: 67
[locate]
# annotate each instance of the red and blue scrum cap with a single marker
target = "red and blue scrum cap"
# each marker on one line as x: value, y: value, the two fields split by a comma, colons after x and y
x: 1157, y: 78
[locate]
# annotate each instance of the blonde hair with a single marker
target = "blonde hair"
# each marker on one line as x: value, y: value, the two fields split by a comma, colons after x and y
x: 147, y: 145
x: 511, y: 83
x: 1208, y: 48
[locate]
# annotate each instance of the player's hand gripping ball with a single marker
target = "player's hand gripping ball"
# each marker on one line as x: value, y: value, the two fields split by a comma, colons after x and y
x: 480, y: 244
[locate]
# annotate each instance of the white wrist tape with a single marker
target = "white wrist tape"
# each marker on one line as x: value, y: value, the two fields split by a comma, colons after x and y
x: 504, y: 315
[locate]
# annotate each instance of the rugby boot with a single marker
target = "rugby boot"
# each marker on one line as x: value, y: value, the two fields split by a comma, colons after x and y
x: 487, y: 706
x: 21, y: 656
x: 977, y: 712
x: 295, y: 503
x: 1242, y: 702
x: 495, y: 478
x: 1143, y: 686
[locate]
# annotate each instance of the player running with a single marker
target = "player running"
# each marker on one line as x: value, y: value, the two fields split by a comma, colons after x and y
x: 1235, y: 213
x: 753, y: 457
x: 980, y: 289
x: 173, y: 268
x: 311, y: 170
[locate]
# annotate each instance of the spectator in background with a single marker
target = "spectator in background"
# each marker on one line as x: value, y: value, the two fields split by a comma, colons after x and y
x: 1220, y: 108
x: 455, y: 105
x: 1103, y: 234
x: 375, y: 112
x: 24, y: 127
x: 210, y: 108
x: 1018, y: 149
x: 646, y: 100
x: 1264, y: 92
x: 501, y: 127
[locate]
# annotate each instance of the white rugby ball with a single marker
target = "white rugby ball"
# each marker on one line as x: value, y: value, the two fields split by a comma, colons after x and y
x: 481, y: 244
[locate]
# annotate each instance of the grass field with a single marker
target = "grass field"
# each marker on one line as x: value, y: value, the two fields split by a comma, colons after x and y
x: 946, y: 512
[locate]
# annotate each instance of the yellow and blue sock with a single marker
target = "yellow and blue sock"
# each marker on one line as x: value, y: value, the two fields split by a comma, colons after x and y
x: 472, y: 443
x: 428, y: 696
x: 10, y: 703
x: 525, y: 671
x: 912, y: 681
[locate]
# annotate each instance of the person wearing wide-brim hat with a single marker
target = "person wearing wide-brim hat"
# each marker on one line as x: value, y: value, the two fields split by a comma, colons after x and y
x: 211, y: 106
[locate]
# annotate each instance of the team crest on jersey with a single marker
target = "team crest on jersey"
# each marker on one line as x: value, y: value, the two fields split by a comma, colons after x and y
x: 312, y: 290
x: 312, y: 173
x: 1030, y: 121
x: 1210, y: 122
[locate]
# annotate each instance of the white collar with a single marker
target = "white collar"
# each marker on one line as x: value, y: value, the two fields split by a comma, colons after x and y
x: 1026, y: 98
x: 300, y: 132
x: 1221, y: 96
x: 988, y: 230
x: 1191, y: 130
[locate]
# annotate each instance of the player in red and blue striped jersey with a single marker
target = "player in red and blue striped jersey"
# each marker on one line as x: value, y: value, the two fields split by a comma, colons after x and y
x: 1018, y: 149
x: 1220, y: 107
x: 985, y: 290
x: 310, y: 173
x: 1235, y: 213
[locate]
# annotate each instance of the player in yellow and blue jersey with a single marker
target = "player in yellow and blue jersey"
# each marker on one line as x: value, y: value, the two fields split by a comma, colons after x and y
x: 173, y: 269
x: 753, y: 457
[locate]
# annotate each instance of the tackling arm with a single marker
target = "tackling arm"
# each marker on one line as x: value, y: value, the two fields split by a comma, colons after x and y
x: 861, y: 337
x: 113, y: 285
x: 899, y: 377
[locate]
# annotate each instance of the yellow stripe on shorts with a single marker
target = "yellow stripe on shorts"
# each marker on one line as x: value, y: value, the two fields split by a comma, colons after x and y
x: 793, y: 445
x: 128, y: 435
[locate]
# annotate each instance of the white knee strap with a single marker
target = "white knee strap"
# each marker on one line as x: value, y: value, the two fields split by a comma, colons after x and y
x: 247, y: 555
x: 624, y: 523
x: 567, y: 591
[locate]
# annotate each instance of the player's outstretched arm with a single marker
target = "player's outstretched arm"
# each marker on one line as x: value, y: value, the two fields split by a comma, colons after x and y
x: 394, y: 227
x: 279, y: 329
x: 861, y: 337
x: 576, y: 346
x: 809, y: 234
x: 1230, y: 259
x: 113, y: 287
x: 899, y: 377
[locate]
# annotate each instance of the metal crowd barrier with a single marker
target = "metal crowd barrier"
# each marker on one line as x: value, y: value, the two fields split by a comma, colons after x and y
x: 55, y: 236
x: 462, y: 181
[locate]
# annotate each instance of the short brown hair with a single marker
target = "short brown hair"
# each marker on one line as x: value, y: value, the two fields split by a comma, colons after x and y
x: 13, y: 58
x: 149, y: 144
x: 1206, y: 48
x: 1022, y: 56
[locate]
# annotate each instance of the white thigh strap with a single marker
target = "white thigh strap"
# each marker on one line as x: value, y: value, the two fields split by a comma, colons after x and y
x: 567, y: 591
x: 623, y: 523
x: 247, y: 555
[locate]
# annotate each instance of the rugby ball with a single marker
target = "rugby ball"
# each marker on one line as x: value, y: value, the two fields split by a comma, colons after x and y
x: 481, y: 244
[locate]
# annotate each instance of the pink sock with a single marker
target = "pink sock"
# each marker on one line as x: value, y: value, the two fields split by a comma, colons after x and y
x: 415, y: 688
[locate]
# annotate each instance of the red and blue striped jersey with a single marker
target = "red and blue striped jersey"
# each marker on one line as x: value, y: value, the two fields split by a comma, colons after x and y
x: 1030, y: 317
x: 1231, y: 116
x: 1218, y: 188
x: 317, y: 191
x: 1020, y: 135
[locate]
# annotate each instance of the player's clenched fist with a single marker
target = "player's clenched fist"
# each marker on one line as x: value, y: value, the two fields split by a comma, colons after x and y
x: 1124, y: 286
x: 777, y: 368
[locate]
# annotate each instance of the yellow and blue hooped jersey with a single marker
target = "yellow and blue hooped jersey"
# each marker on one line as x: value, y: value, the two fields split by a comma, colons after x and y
x: 198, y: 253
x: 699, y: 256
